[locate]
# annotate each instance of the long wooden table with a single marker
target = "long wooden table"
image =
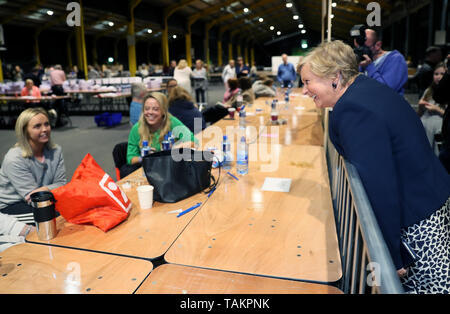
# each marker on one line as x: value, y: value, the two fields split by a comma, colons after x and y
x: 31, y: 268
x: 176, y: 279
x: 240, y: 228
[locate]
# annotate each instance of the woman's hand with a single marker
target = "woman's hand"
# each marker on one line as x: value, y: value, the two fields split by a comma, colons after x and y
x: 41, y: 189
x: 402, y: 272
x: 435, y: 108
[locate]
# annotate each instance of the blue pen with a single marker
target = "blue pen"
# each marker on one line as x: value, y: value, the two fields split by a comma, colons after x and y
x: 212, y: 191
x: 189, y: 209
x: 232, y: 175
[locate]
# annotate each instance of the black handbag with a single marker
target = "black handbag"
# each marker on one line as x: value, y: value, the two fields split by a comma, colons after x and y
x: 179, y: 173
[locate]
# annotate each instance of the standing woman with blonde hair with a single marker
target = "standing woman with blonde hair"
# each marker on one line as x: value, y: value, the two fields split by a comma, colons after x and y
x: 377, y: 131
x: 34, y: 164
x: 183, y: 75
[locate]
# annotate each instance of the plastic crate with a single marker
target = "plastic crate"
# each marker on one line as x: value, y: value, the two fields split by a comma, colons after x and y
x: 108, y: 119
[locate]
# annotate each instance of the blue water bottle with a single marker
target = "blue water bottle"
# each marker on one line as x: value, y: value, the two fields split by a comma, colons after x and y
x: 171, y: 139
x: 145, y: 150
x: 166, y: 143
x: 227, y: 158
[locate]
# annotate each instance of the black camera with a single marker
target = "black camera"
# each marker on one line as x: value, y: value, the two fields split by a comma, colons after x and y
x: 358, y: 33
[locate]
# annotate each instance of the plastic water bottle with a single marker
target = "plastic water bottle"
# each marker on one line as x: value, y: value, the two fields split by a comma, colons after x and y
x: 166, y: 143
x: 239, y: 99
x: 171, y: 139
x: 227, y: 157
x: 242, y: 156
x: 145, y: 150
x: 242, y: 119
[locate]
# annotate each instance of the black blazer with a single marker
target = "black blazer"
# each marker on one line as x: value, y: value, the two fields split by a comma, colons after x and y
x: 377, y: 131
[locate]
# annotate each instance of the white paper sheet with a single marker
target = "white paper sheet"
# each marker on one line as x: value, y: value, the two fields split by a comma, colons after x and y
x: 277, y: 184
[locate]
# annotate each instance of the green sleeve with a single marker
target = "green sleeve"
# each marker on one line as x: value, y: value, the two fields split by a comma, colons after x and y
x: 133, y: 149
x: 181, y: 132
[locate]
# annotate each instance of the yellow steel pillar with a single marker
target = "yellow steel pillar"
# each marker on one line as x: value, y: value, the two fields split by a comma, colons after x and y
x: 1, y: 70
x: 252, y: 55
x: 131, y: 40
x: 188, y: 46
x: 207, y: 45
x: 81, y: 44
x: 246, y: 54
x: 239, y: 54
x: 36, y: 49
x: 219, y: 52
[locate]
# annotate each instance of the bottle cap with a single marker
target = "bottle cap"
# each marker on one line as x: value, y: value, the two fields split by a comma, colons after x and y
x: 144, y: 143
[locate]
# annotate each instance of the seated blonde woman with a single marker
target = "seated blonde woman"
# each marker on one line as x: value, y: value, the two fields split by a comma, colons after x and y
x: 154, y: 123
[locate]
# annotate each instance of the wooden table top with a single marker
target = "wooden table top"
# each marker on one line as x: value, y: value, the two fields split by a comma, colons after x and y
x: 177, y: 279
x: 286, y: 235
x: 144, y: 234
x: 30, y: 268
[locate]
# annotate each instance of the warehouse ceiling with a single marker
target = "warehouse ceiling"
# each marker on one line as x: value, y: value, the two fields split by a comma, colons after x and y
x: 261, y: 20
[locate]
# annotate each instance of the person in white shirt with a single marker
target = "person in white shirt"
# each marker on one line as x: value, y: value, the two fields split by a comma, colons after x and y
x: 183, y: 75
x: 228, y: 72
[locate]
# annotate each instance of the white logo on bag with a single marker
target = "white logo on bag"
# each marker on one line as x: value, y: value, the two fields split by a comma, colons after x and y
x: 113, y: 187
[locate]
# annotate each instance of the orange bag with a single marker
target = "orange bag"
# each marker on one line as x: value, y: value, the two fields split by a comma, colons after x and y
x: 92, y: 197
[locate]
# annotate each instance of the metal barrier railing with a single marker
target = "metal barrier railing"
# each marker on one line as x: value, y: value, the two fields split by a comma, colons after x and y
x: 366, y: 262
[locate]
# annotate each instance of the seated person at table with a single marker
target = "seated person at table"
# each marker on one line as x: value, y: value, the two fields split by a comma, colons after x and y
x: 233, y: 89
x: 171, y: 83
x: 30, y: 90
x: 182, y: 107
x: 12, y: 231
x: 246, y: 91
x: 34, y: 164
x: 263, y: 88
x: 431, y: 112
x: 138, y: 92
x: 154, y: 122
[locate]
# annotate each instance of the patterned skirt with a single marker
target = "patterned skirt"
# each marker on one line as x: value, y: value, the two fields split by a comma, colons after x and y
x: 430, y: 241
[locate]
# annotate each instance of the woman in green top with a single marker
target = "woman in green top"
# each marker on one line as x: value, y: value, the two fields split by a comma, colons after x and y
x: 155, y: 122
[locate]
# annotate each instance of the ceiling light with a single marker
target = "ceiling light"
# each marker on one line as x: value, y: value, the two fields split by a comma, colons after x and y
x: 334, y: 4
x: 272, y: 28
x: 288, y: 5
x: 50, y: 12
x: 246, y: 10
x: 261, y: 20
x: 110, y: 60
x: 278, y: 33
x: 174, y: 36
x: 295, y: 17
x: 300, y: 25
x: 303, y: 31
x: 149, y: 31
x: 332, y: 15
x: 111, y: 24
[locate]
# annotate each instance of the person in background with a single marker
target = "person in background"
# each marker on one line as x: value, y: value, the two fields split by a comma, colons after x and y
x: 300, y: 83
x: 34, y: 164
x: 264, y: 88
x: 182, y: 107
x: 229, y: 71
x: 286, y: 74
x: 377, y: 131
x: 424, y: 74
x: 171, y: 83
x: 441, y: 95
x: 138, y: 92
x: 17, y: 74
x: 183, y: 74
x: 154, y: 123
x: 12, y: 231
x: 253, y: 72
x: 431, y: 112
x: 172, y: 66
x: 387, y: 67
x: 200, y: 81
x: 233, y: 89
x: 30, y: 90
x: 57, y: 78
x: 241, y: 68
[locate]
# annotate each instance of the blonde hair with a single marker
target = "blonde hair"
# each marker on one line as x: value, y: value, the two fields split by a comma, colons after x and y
x: 179, y: 92
x: 22, y: 133
x: 182, y: 64
x: 330, y: 58
x: 144, y: 129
